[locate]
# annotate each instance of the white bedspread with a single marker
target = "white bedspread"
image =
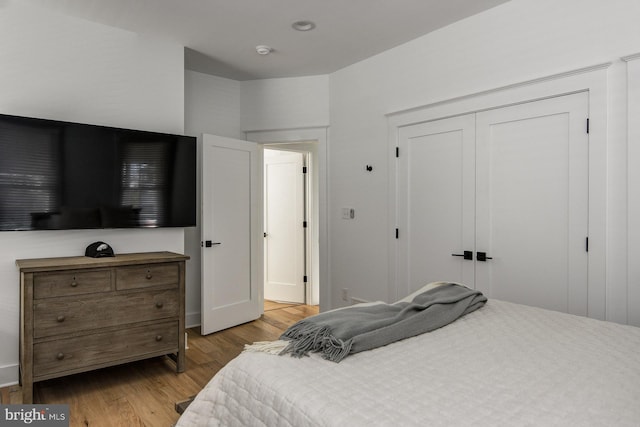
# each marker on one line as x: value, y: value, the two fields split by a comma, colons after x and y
x: 502, y: 365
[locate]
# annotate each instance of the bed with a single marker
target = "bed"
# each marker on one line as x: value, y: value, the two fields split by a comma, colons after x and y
x: 502, y: 365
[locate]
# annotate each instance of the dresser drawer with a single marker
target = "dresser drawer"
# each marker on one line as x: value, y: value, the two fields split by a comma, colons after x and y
x: 146, y: 276
x: 104, y: 348
x: 66, y: 283
x: 66, y: 315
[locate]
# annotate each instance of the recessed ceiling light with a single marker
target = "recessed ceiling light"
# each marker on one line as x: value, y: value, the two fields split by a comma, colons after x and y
x: 263, y: 50
x: 303, y: 25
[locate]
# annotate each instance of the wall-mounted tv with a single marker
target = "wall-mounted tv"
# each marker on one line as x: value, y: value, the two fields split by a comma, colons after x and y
x: 58, y: 175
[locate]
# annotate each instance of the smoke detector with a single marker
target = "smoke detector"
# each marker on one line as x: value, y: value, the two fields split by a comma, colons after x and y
x: 263, y: 49
x: 303, y: 25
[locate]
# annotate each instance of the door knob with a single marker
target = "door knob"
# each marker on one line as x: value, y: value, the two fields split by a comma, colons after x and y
x: 466, y: 255
x: 209, y: 243
x: 482, y: 256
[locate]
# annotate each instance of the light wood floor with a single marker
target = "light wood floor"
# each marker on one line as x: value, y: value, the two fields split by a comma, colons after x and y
x: 144, y: 393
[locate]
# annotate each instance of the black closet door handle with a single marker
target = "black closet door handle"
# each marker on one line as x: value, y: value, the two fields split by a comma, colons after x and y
x: 466, y: 255
x: 482, y: 256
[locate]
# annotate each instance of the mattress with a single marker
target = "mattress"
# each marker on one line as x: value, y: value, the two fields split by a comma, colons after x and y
x: 502, y: 365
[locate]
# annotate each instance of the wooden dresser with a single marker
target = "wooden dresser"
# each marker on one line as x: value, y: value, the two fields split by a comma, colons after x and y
x: 78, y: 313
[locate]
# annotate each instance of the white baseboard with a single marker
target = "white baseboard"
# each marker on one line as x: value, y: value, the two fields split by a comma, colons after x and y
x: 9, y: 375
x: 192, y: 320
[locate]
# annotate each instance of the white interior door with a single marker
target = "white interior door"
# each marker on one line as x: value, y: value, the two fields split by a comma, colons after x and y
x: 284, y: 231
x: 436, y: 196
x: 231, y: 233
x: 532, y: 203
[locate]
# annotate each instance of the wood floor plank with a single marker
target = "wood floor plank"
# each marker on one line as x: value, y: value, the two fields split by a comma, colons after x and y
x: 11, y: 395
x: 274, y: 305
x: 126, y: 414
x: 144, y: 393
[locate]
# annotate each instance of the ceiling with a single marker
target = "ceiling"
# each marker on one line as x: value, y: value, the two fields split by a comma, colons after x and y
x: 221, y: 36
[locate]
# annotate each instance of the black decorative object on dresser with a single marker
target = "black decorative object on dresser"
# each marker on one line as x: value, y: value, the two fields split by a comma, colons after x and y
x: 79, y: 313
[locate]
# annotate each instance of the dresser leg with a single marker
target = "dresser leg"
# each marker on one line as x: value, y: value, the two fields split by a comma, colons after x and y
x: 179, y: 359
x: 27, y: 392
x: 182, y: 344
x: 180, y: 364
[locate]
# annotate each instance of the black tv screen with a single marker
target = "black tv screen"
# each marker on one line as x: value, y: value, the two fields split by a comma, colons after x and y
x: 58, y: 175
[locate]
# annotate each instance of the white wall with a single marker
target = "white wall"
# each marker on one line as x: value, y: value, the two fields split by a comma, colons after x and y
x: 212, y: 105
x: 289, y: 103
x: 64, y: 68
x: 514, y: 42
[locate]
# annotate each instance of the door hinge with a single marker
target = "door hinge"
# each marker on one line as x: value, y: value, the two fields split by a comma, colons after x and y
x: 304, y: 224
x: 397, y: 151
x: 586, y: 244
x: 587, y: 125
x: 397, y: 233
x: 304, y: 279
x: 304, y: 169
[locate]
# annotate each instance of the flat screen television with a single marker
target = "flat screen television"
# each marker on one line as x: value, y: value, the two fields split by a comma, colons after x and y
x: 58, y: 175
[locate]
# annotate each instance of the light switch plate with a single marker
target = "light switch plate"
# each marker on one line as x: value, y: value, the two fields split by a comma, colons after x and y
x: 348, y: 213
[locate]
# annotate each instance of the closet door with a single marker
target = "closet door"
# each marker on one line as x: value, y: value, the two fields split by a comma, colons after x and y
x: 436, y: 191
x: 532, y: 203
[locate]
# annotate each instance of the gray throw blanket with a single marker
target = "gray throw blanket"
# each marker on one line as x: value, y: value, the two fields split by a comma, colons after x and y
x: 339, y: 333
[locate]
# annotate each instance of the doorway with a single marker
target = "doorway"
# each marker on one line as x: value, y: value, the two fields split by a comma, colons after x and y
x: 285, y: 226
x: 291, y: 243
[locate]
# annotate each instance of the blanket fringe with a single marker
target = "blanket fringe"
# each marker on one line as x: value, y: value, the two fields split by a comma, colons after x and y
x: 308, y: 337
x: 335, y: 349
x: 270, y: 347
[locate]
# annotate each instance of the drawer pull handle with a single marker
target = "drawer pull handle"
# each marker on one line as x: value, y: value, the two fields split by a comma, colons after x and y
x: 60, y: 356
x: 74, y: 284
x: 158, y: 337
x: 149, y: 276
x: 60, y: 319
x: 159, y: 304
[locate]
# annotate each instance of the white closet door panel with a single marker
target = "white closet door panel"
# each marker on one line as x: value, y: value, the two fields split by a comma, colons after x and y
x: 532, y: 203
x: 436, y: 175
